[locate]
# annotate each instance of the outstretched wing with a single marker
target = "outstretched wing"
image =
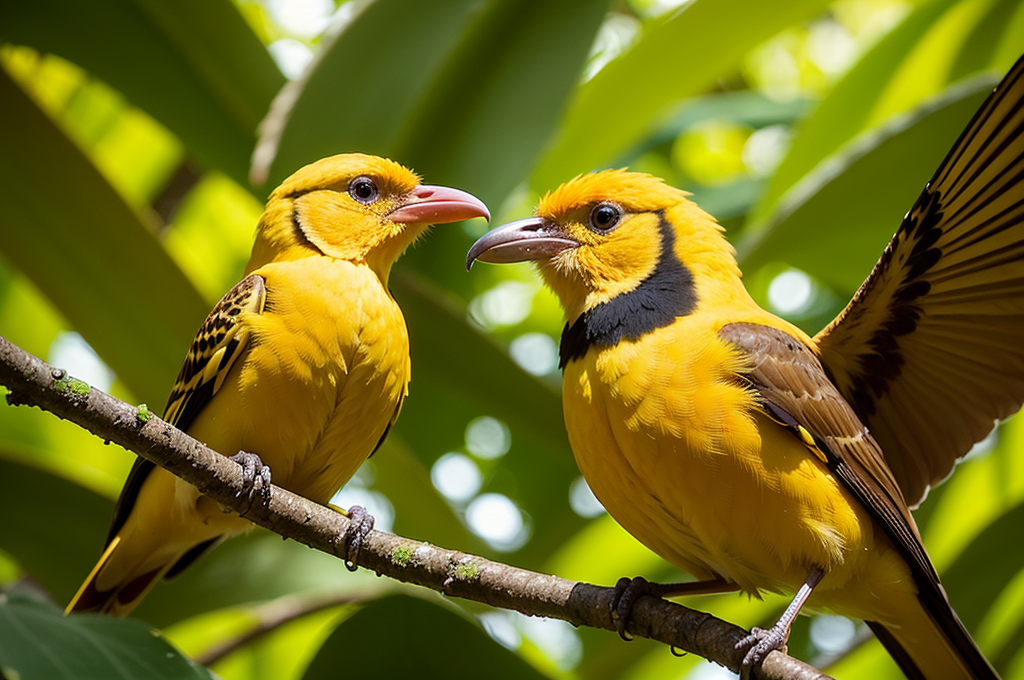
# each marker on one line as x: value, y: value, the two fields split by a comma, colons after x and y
x: 220, y: 341
x: 930, y: 351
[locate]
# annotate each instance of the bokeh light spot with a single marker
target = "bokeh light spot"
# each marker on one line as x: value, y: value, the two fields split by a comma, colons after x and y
x: 291, y: 56
x: 488, y: 438
x: 502, y: 628
x: 832, y: 634
x: 456, y: 476
x: 557, y: 639
x: 536, y: 353
x: 496, y: 519
x: 582, y: 500
x: 71, y: 352
x: 791, y: 292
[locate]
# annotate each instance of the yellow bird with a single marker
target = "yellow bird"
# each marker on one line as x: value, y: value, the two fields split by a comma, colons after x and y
x: 758, y: 458
x: 302, y: 366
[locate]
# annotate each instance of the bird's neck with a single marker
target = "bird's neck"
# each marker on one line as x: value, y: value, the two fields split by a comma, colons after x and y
x: 698, y: 275
x: 280, y: 238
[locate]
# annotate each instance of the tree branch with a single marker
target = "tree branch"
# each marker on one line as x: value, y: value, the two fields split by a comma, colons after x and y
x: 35, y: 383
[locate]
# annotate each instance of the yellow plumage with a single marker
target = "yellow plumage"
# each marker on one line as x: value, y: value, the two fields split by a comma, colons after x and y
x: 658, y: 424
x: 754, y: 456
x: 304, y: 363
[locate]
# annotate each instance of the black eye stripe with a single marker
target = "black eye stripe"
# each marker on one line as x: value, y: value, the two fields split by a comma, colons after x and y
x: 604, y: 217
x: 363, y: 189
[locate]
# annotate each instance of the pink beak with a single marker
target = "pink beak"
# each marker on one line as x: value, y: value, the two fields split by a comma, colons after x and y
x: 429, y: 204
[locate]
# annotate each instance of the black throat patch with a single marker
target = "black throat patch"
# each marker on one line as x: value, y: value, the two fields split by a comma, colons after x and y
x: 660, y: 299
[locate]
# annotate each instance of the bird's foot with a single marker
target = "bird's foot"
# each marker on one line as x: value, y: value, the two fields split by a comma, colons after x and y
x: 255, y: 477
x: 627, y: 592
x: 359, y: 527
x: 759, y: 644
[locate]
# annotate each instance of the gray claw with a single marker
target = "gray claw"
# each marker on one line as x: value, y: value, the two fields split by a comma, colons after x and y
x: 360, y: 526
x: 256, y: 477
x: 759, y: 644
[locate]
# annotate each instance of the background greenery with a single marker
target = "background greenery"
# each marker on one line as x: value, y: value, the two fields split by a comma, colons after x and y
x: 138, y: 139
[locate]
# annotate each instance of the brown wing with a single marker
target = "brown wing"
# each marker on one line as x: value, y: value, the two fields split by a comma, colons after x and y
x: 796, y: 392
x: 930, y: 351
x: 219, y: 342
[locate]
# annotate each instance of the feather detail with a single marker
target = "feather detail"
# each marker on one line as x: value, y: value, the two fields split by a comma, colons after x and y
x: 942, y: 313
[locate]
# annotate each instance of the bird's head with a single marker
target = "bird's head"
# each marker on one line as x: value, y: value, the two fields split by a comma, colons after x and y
x: 605, y: 234
x: 355, y: 207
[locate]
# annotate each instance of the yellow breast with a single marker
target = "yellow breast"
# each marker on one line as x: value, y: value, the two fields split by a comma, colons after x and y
x: 674, y: 447
x: 325, y: 373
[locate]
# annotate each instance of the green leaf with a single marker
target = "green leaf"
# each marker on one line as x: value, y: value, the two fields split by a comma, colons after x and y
x: 37, y: 641
x: 431, y: 641
x: 857, y: 199
x: 940, y: 42
x: 982, y: 46
x: 194, y: 65
x: 845, y: 111
x: 53, y: 527
x: 90, y: 253
x: 676, y: 57
x: 995, y: 552
x: 465, y: 92
x: 746, y: 107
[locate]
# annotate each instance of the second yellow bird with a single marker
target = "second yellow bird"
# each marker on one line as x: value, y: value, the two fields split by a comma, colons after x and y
x: 302, y: 366
x: 758, y: 458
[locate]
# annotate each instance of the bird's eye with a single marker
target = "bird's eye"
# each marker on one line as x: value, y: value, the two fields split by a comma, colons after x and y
x: 364, y: 190
x: 604, y: 217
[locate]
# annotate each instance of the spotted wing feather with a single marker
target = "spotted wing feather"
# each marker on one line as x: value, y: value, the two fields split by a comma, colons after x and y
x: 218, y: 344
x: 929, y: 351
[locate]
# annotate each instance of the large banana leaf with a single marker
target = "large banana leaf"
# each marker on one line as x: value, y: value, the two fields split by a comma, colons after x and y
x: 194, y: 65
x: 68, y: 230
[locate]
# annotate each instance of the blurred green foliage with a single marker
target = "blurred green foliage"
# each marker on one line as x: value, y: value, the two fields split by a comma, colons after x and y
x: 132, y: 131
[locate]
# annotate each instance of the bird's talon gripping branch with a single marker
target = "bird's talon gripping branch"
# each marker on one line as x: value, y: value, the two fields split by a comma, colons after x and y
x: 360, y: 525
x: 759, y: 644
x: 627, y: 592
x: 255, y: 475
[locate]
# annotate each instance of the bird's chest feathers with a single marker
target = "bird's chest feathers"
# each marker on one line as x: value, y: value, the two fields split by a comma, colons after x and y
x: 671, y: 443
x: 654, y: 424
x: 674, y: 384
x: 329, y: 364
